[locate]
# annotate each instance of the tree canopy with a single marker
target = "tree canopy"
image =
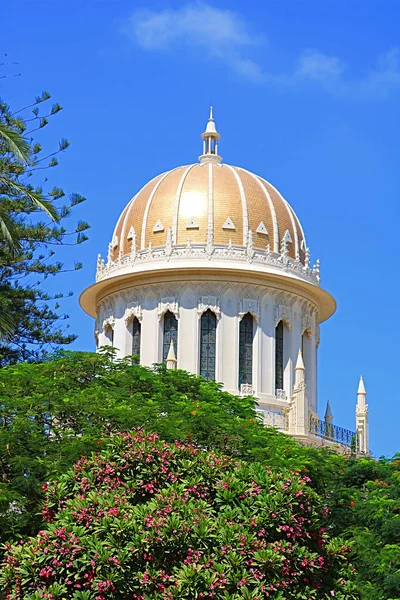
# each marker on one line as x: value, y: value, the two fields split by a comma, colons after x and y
x: 32, y: 213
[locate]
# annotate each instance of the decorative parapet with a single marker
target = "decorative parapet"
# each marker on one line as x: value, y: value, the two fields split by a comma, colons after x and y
x: 247, y: 254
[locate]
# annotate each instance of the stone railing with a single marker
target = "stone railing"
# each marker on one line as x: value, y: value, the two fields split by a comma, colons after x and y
x: 274, y: 419
x: 281, y: 262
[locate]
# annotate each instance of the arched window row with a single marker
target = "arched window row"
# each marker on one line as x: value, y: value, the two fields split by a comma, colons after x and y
x: 208, y: 344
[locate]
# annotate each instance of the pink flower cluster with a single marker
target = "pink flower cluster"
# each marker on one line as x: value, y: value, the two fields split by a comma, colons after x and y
x: 148, y: 519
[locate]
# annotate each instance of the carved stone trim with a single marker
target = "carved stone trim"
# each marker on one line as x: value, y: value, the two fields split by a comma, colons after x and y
x: 209, y: 303
x: 168, y: 304
x: 109, y: 322
x: 132, y: 312
x: 246, y: 389
x: 284, y: 313
x: 306, y: 324
x: 249, y: 305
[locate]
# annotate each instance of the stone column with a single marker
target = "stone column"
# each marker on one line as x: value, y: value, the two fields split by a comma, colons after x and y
x: 151, y: 331
x: 188, y: 333
x: 228, y: 334
x: 267, y: 346
x: 119, y: 342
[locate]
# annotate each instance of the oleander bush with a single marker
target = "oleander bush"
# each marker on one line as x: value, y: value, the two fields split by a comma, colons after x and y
x: 148, y: 519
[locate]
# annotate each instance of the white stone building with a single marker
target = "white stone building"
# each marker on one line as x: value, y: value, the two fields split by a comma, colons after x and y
x: 209, y: 263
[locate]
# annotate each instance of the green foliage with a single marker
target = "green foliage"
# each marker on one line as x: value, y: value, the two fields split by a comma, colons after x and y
x: 366, y: 509
x: 52, y: 413
x: 30, y: 230
x: 147, y: 519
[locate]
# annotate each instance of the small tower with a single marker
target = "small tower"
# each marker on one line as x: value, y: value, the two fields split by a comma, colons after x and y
x: 171, y: 358
x: 362, y: 419
x: 210, y: 142
x: 298, y: 415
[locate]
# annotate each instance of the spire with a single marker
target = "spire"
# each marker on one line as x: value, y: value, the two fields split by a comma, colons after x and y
x: 362, y: 419
x: 300, y: 363
x: 171, y: 358
x: 328, y: 412
x: 361, y: 387
x: 210, y: 142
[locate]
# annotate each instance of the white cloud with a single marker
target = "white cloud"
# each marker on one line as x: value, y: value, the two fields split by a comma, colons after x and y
x: 221, y: 34
x: 316, y: 65
x: 336, y: 77
x: 385, y: 76
x: 225, y: 36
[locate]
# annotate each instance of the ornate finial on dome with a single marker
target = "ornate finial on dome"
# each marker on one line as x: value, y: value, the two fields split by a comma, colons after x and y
x: 210, y: 142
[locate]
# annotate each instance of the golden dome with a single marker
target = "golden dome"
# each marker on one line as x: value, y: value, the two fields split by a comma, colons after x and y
x: 208, y: 219
x: 189, y: 202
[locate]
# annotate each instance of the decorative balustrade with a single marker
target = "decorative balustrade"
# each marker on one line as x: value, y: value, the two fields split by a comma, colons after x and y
x: 281, y: 394
x: 333, y: 433
x: 281, y: 262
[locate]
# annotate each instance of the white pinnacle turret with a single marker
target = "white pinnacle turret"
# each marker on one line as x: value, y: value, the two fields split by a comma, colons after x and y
x: 299, y: 412
x: 300, y: 362
x: 328, y: 413
x: 362, y: 419
x: 210, y: 142
x: 171, y: 358
x: 361, y: 387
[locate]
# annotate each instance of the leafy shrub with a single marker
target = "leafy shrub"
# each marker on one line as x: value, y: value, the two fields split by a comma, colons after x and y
x: 147, y: 519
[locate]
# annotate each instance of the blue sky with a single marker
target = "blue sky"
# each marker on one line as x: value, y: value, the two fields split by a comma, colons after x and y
x: 306, y: 94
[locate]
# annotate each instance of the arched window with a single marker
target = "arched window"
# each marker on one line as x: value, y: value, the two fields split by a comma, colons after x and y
x: 135, y: 331
x: 246, y: 335
x: 208, y: 329
x: 279, y: 356
x: 170, y: 333
x: 109, y: 335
